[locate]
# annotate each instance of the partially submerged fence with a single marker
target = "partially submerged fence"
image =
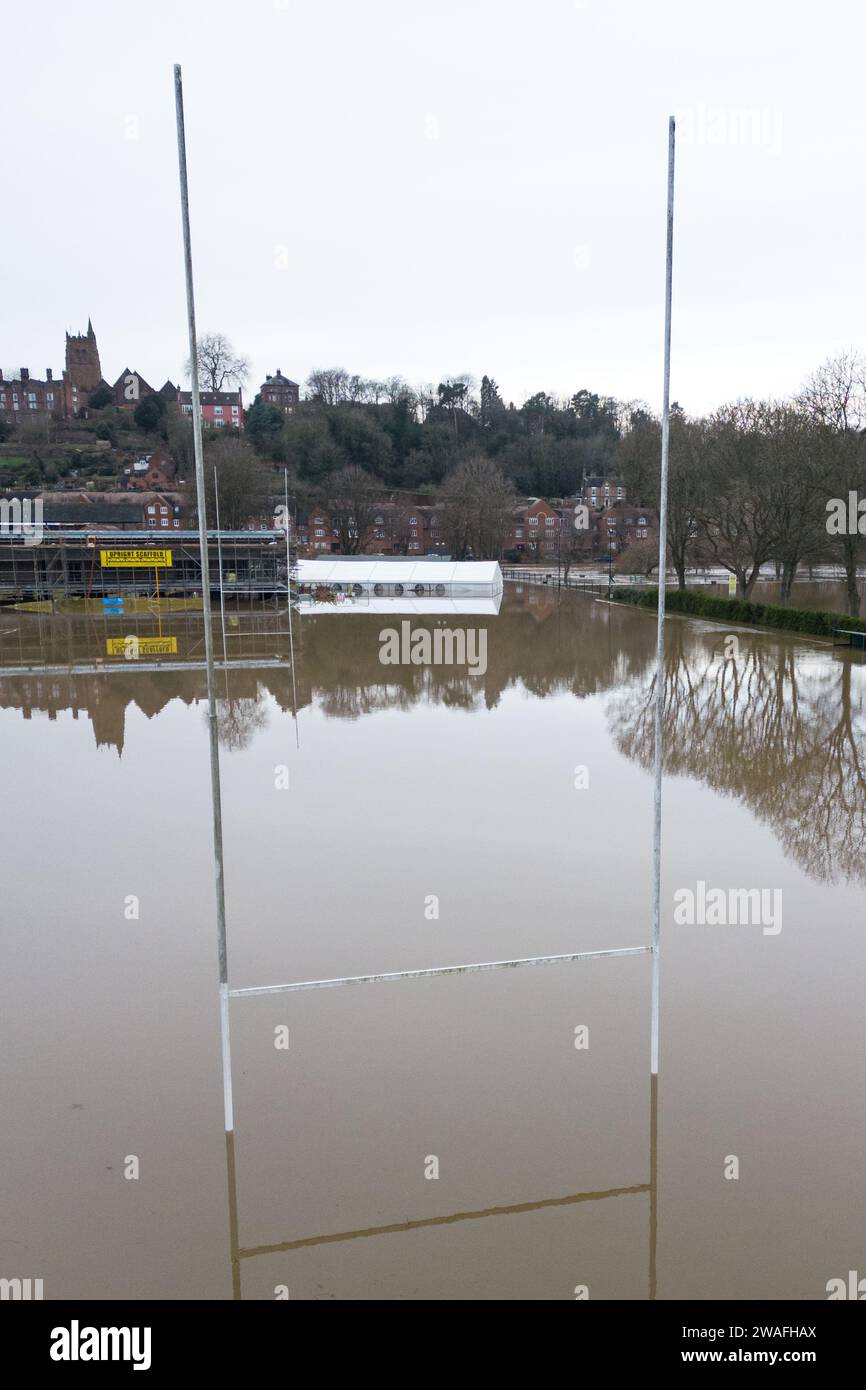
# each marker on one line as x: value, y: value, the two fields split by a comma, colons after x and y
x: 554, y: 579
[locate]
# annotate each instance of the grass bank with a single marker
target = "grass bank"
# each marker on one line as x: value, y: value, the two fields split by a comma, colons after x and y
x: 737, y: 610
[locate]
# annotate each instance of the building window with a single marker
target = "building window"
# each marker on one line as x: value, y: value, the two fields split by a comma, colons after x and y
x: 177, y: 523
x: 533, y: 521
x: 519, y: 533
x: 413, y: 521
x: 151, y: 510
x: 187, y: 410
x: 320, y: 531
x: 164, y: 521
x: 549, y: 520
x: 234, y: 410
x: 151, y: 521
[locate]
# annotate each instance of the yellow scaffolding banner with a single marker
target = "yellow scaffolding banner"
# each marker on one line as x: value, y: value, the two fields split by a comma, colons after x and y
x: 142, y: 559
x: 133, y: 647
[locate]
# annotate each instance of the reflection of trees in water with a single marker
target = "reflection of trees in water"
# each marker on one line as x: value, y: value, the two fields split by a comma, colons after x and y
x: 551, y: 647
x: 776, y: 727
x: 766, y: 728
x: 545, y: 642
x: 239, y: 719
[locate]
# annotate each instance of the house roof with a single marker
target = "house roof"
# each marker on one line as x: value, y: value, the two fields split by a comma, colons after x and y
x: 126, y: 373
x: 211, y: 397
x: 279, y: 380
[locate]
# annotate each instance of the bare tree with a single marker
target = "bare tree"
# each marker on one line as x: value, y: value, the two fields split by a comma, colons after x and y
x: 738, y: 512
x: 637, y: 459
x: 792, y: 458
x: 219, y: 366
x: 641, y: 557
x: 686, y: 491
x: 835, y: 398
x: 244, y: 483
x: 352, y: 500
x: 328, y: 385
x: 478, y: 509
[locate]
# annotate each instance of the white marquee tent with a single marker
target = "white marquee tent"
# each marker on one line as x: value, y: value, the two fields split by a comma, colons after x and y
x: 453, y: 579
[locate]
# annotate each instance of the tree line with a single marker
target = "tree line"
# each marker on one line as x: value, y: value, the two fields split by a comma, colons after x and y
x: 413, y: 438
x: 758, y: 482
x: 750, y: 483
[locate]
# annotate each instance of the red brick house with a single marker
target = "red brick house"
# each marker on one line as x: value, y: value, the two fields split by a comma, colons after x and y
x: 399, y: 528
x: 621, y: 525
x: 599, y: 493
x: 151, y: 471
x: 535, y: 530
x: 281, y: 392
x: 26, y: 396
x: 115, y: 510
x: 219, y: 409
x: 163, y: 511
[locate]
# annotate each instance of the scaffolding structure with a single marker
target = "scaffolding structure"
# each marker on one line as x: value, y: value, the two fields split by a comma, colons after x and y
x: 67, y: 564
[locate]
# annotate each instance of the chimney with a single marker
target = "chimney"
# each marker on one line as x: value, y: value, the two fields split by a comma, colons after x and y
x: 48, y: 376
x: 25, y: 373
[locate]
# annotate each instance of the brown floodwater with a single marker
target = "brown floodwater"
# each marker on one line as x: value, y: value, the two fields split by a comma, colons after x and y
x: 555, y: 1169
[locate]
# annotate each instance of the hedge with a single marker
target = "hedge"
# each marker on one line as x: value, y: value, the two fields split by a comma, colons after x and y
x: 737, y: 610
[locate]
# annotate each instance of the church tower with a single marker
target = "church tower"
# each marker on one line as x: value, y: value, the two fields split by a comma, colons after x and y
x: 83, y: 372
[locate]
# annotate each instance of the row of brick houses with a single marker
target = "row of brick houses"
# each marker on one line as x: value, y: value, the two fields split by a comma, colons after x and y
x: 399, y: 528
x: 548, y: 532
x: 24, y: 396
x: 540, y: 531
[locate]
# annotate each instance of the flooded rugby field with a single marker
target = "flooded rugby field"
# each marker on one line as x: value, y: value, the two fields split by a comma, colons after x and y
x: 382, y: 818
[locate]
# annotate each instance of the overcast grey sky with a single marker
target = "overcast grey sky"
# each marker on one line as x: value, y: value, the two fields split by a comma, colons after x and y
x: 429, y: 188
